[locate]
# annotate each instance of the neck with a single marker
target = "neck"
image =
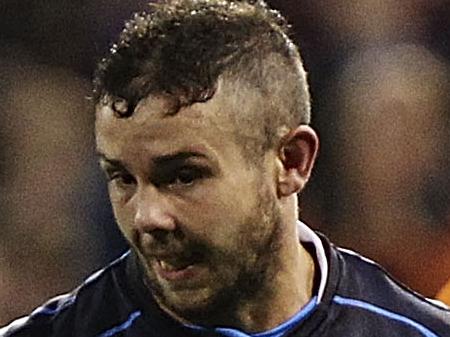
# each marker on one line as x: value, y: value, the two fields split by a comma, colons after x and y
x: 291, y: 287
x: 284, y: 295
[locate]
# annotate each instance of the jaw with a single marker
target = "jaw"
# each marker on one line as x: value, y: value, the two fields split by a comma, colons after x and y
x: 231, y: 296
x: 199, y: 304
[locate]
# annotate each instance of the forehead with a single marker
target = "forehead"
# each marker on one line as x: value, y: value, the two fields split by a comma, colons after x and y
x: 151, y: 129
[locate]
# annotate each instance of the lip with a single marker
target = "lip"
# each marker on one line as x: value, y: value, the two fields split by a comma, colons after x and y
x: 177, y: 275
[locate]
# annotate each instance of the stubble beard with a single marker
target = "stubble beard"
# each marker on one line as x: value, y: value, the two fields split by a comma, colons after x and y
x: 250, y: 281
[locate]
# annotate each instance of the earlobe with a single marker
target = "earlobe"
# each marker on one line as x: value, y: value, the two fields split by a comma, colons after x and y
x: 297, y: 155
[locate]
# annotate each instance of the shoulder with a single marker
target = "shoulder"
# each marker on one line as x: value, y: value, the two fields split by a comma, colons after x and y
x: 68, y: 314
x: 367, y: 290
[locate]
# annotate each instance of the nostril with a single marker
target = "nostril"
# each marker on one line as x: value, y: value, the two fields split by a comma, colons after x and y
x: 163, y: 236
x: 160, y: 235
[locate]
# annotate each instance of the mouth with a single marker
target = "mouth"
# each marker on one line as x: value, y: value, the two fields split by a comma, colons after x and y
x: 177, y: 270
x: 173, y: 266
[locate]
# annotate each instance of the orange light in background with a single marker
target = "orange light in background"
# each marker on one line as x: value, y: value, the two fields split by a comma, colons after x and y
x: 444, y: 294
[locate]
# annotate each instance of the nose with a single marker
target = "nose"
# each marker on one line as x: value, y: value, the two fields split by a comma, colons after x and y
x: 152, y: 211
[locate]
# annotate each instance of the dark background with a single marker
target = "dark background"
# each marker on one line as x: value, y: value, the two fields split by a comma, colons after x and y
x: 379, y: 75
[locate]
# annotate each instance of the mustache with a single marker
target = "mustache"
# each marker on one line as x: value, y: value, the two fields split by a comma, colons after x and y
x: 162, y: 245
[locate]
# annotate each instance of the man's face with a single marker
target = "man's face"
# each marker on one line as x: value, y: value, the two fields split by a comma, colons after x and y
x: 203, y: 221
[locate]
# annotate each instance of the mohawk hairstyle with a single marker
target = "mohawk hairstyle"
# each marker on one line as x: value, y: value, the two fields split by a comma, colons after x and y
x: 182, y: 48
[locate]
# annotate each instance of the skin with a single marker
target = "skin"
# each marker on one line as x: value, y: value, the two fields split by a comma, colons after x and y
x: 182, y: 192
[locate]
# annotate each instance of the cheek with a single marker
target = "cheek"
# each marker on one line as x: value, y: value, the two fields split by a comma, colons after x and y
x: 124, y: 218
x: 219, y: 216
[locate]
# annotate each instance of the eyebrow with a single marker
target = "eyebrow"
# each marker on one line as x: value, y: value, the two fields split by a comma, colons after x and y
x: 113, y: 162
x: 177, y: 157
x: 159, y: 160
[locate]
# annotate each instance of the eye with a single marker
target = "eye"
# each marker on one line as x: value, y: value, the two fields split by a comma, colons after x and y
x: 186, y: 176
x: 121, y: 179
x: 182, y: 177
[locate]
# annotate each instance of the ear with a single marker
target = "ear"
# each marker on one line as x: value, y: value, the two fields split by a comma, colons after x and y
x: 297, y: 155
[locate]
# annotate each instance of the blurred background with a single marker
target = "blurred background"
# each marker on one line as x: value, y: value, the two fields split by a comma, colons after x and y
x: 380, y: 79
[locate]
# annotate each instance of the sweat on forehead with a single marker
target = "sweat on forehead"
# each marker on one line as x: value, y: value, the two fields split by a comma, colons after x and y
x: 233, y: 104
x: 230, y: 114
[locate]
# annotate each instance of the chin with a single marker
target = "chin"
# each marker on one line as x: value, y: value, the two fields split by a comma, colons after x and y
x: 190, y: 304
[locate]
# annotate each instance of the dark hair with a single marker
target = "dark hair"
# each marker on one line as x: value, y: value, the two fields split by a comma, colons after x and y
x: 182, y: 48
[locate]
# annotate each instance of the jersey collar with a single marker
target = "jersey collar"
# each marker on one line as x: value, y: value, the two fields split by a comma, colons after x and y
x: 306, y: 234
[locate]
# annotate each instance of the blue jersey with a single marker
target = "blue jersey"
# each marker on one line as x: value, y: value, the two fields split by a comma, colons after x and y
x: 360, y: 300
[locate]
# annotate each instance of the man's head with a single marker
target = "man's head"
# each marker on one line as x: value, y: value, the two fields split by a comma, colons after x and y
x: 182, y: 48
x: 191, y: 93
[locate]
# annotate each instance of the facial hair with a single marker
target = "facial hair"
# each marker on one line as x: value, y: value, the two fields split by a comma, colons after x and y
x: 255, y: 254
